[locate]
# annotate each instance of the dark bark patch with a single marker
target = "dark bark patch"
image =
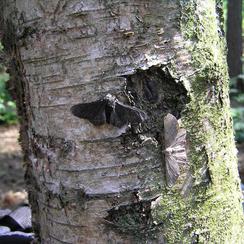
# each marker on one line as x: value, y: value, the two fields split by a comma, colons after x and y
x: 157, y: 93
x: 134, y: 219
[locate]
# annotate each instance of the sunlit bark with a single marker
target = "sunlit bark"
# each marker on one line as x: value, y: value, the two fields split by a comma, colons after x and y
x: 103, y: 184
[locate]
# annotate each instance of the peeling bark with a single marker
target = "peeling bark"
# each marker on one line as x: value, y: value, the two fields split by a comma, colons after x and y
x: 98, y: 184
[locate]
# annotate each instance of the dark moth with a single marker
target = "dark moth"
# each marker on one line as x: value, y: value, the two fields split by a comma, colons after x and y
x: 109, y: 110
x: 175, y: 148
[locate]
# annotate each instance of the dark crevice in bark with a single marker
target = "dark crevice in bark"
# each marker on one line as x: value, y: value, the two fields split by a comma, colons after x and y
x: 157, y: 93
x: 133, y: 219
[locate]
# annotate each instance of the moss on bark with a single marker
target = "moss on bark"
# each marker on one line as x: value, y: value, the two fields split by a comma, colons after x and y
x: 212, y: 212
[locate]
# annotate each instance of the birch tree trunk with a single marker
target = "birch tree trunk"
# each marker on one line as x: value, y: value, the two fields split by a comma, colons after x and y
x: 103, y: 184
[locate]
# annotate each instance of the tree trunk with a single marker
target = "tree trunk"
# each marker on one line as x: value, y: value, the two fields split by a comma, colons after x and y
x: 110, y: 184
x: 234, y: 39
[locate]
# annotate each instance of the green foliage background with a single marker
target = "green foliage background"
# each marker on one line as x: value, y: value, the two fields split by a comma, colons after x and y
x: 237, y: 110
x: 237, y: 97
x: 7, y: 106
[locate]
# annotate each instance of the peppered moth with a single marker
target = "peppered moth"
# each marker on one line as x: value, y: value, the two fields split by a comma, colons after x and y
x: 175, y: 148
x: 109, y: 110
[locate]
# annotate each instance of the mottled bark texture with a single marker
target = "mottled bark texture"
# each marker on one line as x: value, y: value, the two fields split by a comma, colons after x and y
x: 104, y: 184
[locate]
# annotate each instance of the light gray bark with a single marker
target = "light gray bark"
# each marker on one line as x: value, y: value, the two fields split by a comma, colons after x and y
x: 102, y: 184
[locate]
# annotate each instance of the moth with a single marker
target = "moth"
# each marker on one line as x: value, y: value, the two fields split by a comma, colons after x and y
x: 109, y: 110
x: 175, y: 148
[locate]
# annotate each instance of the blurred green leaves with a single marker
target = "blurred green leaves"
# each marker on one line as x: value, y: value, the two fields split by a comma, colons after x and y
x: 7, y: 106
x: 238, y: 119
x: 237, y: 110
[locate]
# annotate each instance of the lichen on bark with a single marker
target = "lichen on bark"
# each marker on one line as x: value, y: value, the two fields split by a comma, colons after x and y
x: 100, y: 184
x: 214, y: 209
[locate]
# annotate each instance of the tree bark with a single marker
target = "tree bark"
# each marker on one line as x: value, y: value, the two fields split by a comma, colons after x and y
x: 103, y: 184
x: 234, y: 39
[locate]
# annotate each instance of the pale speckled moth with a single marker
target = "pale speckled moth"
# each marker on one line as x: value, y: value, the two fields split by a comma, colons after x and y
x: 175, y: 148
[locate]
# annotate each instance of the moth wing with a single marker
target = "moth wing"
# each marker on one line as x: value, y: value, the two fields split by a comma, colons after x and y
x: 175, y: 141
x: 179, y: 147
x: 94, y: 111
x: 116, y: 119
x: 181, y: 137
x: 124, y: 114
x: 172, y: 170
x: 171, y: 128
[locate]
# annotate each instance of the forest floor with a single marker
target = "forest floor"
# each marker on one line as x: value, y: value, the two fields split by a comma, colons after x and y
x: 12, y: 167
